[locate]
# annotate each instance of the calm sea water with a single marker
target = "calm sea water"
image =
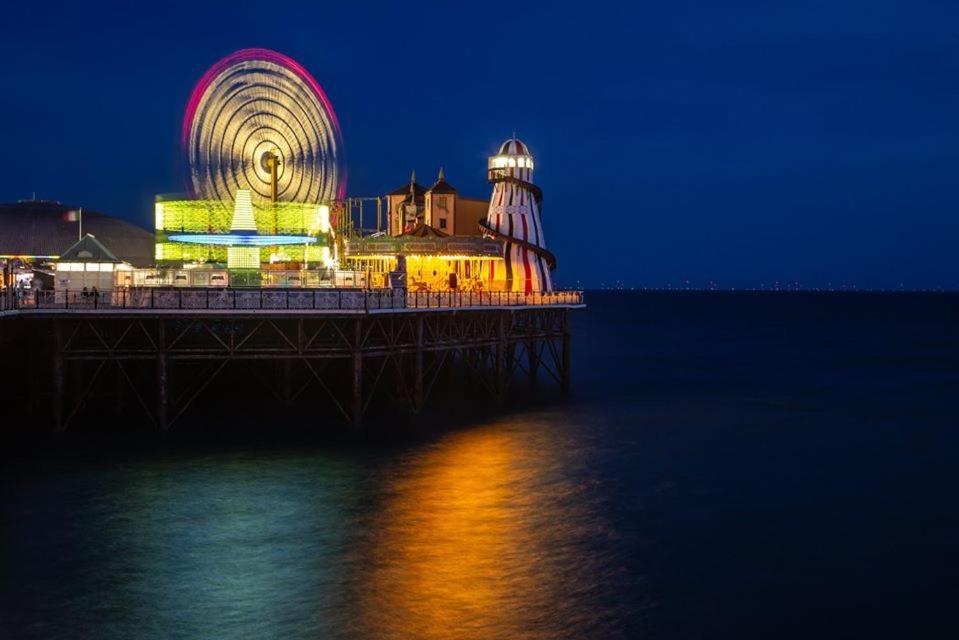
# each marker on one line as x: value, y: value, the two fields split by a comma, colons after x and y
x: 731, y: 465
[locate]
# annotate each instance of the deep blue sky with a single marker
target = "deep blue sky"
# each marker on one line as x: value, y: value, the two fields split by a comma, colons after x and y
x: 735, y: 142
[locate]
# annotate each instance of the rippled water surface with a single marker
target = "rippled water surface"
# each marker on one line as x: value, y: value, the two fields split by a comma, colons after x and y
x: 729, y: 466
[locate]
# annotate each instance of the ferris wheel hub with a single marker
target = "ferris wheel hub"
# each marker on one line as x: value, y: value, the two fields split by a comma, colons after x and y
x: 269, y: 160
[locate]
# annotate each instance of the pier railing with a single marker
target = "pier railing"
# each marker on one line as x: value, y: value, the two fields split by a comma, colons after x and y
x: 355, y: 300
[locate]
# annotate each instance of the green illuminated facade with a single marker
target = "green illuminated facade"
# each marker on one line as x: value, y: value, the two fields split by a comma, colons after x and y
x: 181, y: 216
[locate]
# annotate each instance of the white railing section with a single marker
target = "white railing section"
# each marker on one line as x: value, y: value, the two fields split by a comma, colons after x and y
x: 147, y: 298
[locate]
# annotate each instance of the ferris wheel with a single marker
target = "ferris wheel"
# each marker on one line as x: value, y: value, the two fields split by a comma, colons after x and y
x: 257, y: 120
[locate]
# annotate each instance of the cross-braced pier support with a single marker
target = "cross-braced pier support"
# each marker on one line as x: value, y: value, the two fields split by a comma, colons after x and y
x: 164, y: 361
x: 356, y: 408
x: 162, y: 383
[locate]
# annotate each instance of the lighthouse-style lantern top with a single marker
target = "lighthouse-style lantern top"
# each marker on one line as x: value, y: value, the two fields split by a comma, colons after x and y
x: 513, y: 160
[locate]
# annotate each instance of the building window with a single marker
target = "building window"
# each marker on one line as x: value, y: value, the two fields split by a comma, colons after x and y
x: 440, y: 202
x: 442, y: 223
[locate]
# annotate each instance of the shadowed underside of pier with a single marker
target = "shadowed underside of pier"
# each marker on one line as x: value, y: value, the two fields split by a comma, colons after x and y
x: 158, y: 367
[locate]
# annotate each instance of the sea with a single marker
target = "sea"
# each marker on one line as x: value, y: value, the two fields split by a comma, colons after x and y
x: 728, y: 465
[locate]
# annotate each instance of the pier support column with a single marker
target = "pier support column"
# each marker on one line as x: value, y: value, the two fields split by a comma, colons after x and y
x: 74, y: 393
x: 120, y: 390
x: 532, y: 362
x: 500, y: 359
x: 33, y: 365
x: 286, y: 379
x: 532, y: 348
x: 58, y: 377
x: 356, y: 406
x: 290, y: 364
x: 536, y: 330
x: 564, y: 373
x: 161, y: 410
x: 418, y: 367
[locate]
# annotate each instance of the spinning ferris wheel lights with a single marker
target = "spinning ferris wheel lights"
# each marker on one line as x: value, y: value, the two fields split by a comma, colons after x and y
x: 258, y: 120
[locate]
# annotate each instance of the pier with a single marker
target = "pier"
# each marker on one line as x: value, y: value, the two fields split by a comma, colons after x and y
x: 264, y: 269
x: 161, y: 349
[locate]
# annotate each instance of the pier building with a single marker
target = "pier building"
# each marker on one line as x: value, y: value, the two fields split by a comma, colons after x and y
x: 88, y: 265
x: 440, y: 206
x: 37, y: 232
x: 34, y: 234
x: 433, y: 260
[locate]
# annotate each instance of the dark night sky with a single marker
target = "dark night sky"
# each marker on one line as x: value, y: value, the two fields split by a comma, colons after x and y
x: 735, y: 142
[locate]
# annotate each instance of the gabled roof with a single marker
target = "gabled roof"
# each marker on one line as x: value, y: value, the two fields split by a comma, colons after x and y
x: 418, y: 189
x: 442, y: 186
x: 88, y: 249
x: 423, y: 230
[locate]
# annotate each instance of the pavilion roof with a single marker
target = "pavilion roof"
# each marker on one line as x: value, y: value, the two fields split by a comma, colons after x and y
x: 88, y: 249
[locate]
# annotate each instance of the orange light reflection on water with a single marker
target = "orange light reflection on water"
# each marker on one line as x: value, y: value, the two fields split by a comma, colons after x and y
x: 470, y: 541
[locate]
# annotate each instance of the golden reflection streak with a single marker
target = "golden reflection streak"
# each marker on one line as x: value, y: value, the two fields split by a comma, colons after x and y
x: 461, y: 547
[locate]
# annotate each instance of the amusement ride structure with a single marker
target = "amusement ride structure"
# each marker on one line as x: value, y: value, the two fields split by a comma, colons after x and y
x: 263, y: 149
x: 257, y: 120
x: 514, y: 218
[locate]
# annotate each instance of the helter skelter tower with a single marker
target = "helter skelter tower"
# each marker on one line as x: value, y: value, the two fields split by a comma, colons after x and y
x: 514, y: 218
